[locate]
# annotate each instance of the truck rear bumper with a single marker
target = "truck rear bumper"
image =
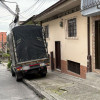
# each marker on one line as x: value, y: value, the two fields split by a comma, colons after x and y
x: 42, y: 69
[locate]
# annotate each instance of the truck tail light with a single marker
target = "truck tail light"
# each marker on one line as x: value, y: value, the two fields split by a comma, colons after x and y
x: 34, y: 65
x: 19, y: 68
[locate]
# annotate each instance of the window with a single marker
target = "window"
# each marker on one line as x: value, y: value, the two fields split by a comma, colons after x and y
x: 72, y: 27
x: 47, y: 31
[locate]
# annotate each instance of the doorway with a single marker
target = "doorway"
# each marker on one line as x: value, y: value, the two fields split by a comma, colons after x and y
x: 58, y: 54
x: 97, y: 44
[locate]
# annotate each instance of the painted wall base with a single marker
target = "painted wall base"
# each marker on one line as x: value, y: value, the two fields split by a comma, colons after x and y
x: 64, y: 69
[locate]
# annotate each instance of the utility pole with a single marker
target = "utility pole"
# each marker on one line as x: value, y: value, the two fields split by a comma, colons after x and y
x: 17, y: 14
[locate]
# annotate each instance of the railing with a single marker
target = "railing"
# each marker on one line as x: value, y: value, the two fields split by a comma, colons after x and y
x: 86, y: 4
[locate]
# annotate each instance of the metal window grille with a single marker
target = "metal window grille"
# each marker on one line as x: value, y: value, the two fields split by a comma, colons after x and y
x: 72, y: 27
x: 74, y: 67
x: 47, y: 31
x: 86, y: 4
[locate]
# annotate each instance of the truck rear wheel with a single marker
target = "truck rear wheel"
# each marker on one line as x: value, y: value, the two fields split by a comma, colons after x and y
x: 43, y: 74
x: 18, y: 77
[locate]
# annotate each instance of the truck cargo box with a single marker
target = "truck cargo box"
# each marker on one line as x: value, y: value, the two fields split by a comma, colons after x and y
x: 29, y: 43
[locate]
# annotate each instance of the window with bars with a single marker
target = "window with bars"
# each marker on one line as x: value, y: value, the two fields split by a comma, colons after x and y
x: 72, y: 28
x: 74, y: 67
x: 47, y: 31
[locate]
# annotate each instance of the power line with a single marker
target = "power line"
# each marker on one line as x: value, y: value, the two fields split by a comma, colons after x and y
x: 22, y: 16
x: 30, y: 7
x: 4, y: 11
x: 36, y: 8
x: 39, y: 7
x: 6, y: 7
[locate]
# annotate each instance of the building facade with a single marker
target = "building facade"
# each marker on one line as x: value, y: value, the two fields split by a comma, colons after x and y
x: 66, y: 35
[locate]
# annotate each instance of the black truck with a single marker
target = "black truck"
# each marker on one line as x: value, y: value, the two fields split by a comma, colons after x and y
x: 28, y: 50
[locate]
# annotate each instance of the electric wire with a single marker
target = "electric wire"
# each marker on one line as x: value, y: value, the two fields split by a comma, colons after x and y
x: 36, y: 9
x: 30, y: 7
x: 7, y: 8
x: 39, y: 7
x: 42, y: 6
x: 4, y: 12
x: 22, y: 16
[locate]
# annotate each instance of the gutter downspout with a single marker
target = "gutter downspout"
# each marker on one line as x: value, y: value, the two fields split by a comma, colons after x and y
x: 89, y: 69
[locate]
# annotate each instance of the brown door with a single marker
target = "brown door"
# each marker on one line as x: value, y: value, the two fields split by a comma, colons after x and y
x: 58, y: 55
x: 97, y: 44
x: 52, y: 61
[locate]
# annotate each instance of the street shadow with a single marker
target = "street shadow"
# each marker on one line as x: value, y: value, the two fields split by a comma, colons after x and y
x: 33, y: 76
x: 49, y: 75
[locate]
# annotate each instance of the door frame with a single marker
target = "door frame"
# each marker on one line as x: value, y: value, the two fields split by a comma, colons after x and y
x: 93, y: 30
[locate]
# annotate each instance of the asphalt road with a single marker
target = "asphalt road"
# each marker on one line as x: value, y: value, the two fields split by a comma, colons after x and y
x: 12, y: 90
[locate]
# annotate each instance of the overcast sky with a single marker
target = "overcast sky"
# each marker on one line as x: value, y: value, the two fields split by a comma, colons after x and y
x: 28, y: 8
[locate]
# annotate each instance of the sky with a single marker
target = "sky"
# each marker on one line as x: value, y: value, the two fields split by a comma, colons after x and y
x: 28, y: 8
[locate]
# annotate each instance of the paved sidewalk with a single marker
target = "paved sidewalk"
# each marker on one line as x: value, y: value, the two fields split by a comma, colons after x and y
x: 59, y: 86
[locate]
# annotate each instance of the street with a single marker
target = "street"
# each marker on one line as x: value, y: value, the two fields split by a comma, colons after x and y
x: 12, y: 90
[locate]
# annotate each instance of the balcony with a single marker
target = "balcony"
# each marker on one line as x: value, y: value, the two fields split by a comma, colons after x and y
x: 90, y: 7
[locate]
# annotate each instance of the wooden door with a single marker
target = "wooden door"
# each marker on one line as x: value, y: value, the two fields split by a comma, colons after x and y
x: 97, y: 44
x: 52, y: 61
x: 58, y: 54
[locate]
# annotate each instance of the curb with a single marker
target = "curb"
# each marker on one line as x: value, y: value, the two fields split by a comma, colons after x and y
x: 28, y: 83
x: 38, y: 91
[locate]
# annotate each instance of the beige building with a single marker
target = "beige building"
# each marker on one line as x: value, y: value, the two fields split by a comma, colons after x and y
x: 72, y: 35
x: 66, y: 35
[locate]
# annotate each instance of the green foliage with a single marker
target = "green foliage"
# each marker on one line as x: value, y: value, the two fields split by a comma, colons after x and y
x: 8, y: 51
x: 29, y: 23
x: 5, y: 55
x: 9, y: 64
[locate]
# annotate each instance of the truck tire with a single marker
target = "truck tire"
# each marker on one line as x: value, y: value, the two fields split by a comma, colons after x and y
x: 12, y: 72
x: 43, y: 74
x: 18, y: 77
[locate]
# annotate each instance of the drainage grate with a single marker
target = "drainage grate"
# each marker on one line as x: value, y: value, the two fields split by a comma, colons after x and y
x: 74, y: 67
